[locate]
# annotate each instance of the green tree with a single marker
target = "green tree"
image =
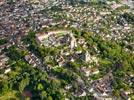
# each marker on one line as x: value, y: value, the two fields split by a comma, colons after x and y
x: 3, y: 41
x: 23, y: 84
x: 43, y: 95
x: 13, y: 53
x: 4, y: 87
x: 40, y: 87
x: 49, y: 98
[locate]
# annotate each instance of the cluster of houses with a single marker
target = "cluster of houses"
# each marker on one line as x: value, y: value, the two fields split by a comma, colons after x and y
x: 95, y: 19
x: 4, y: 66
x: 3, y: 61
x: 56, y: 38
x: 69, y: 54
x: 69, y: 42
x: 130, y: 3
x: 16, y: 18
x: 33, y: 60
x: 24, y: 15
x: 89, y: 71
x: 103, y: 89
x: 20, y: 16
x: 124, y: 95
x: 103, y: 86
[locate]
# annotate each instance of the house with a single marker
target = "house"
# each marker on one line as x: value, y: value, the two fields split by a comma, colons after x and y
x: 7, y: 70
x: 86, y: 71
x: 124, y: 95
x: 57, y: 38
x: 130, y: 3
x: 69, y: 86
x: 80, y: 93
x: 27, y: 93
x: 3, y: 61
x: 103, y: 86
x: 3, y: 64
x: 73, y: 43
x: 5, y: 46
x: 33, y: 60
x: 87, y: 56
x: 61, y: 61
x: 2, y: 2
x: 40, y: 37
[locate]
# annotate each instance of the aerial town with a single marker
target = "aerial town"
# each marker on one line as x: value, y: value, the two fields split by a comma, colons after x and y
x: 66, y: 50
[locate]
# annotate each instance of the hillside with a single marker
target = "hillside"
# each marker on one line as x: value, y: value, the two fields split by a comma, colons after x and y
x: 66, y: 50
